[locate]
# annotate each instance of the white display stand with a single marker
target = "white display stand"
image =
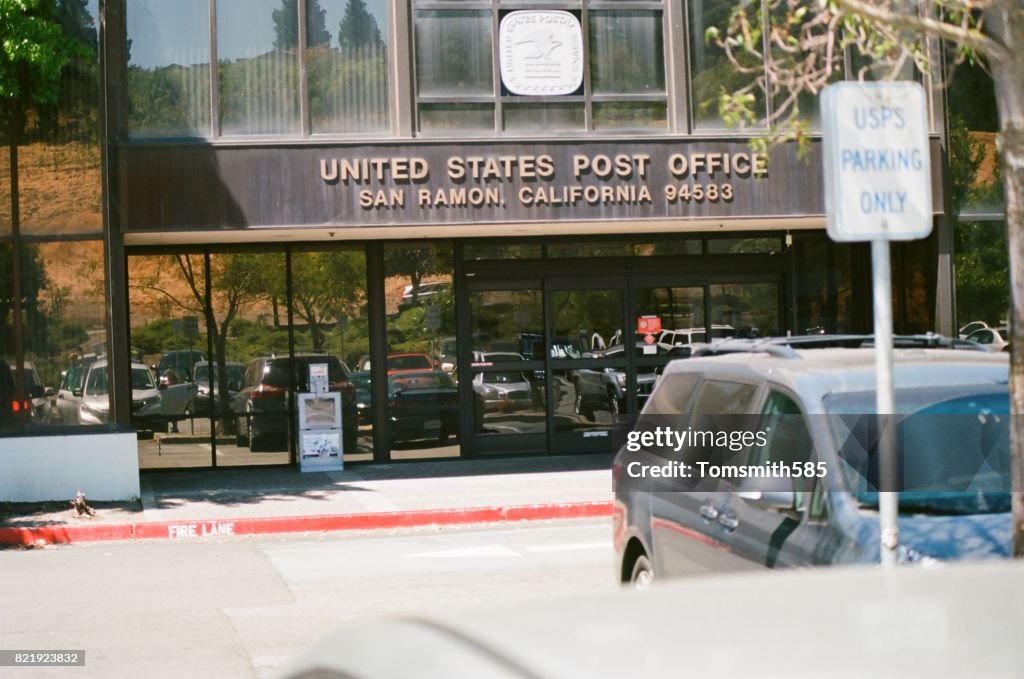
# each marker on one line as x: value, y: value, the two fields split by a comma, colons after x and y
x: 320, y: 439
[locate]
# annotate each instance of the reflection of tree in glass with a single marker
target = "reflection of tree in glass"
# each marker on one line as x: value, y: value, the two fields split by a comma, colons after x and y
x: 327, y: 286
x: 286, y: 25
x: 358, y: 28
x: 348, y: 85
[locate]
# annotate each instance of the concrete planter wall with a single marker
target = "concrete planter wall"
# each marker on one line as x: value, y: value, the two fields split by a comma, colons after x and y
x: 103, y: 466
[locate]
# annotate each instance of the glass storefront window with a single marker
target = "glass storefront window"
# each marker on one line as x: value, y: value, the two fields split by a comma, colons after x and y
x: 681, y: 310
x: 59, y: 182
x: 258, y: 67
x: 982, y: 272
x: 488, y: 251
x: 453, y: 53
x: 744, y: 246
x: 745, y: 310
x: 457, y: 57
x: 331, y: 320
x: 456, y: 117
x: 635, y: 115
x: 168, y: 68
x: 63, y: 329
x: 422, y: 405
x: 626, y: 52
x: 346, y: 65
x: 824, y: 288
x: 531, y: 118
x: 710, y: 70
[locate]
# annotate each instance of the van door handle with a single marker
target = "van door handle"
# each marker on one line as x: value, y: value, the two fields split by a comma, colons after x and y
x: 729, y: 522
x: 709, y: 512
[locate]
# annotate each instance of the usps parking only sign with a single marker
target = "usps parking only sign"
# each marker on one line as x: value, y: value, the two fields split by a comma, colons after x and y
x: 877, y: 166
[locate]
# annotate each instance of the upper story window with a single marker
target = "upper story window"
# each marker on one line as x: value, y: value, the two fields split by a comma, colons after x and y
x: 489, y: 67
x: 284, y: 67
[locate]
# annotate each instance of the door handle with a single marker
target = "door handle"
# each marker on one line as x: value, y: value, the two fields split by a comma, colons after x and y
x: 729, y: 522
x: 709, y: 512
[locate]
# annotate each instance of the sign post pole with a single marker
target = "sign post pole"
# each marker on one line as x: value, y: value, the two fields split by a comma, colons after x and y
x: 888, y: 501
x: 878, y: 189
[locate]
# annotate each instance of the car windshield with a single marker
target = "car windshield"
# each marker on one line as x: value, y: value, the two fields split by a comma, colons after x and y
x: 408, y: 362
x: 235, y: 373
x: 503, y: 378
x: 97, y: 382
x: 953, y: 448
x: 142, y: 379
x: 421, y: 380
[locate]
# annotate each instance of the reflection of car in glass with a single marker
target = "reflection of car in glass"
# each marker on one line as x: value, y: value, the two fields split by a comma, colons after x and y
x: 69, y: 395
x: 687, y: 336
x: 364, y: 396
x: 38, y: 394
x: 505, y: 390
x: 605, y: 388
x: 401, y: 362
x: 146, y: 407
x: 993, y: 339
x: 422, y: 404
x: 815, y: 408
x: 971, y: 327
x: 415, y: 295
x: 261, y: 405
x: 207, y: 389
x: 177, y: 390
x: 13, y: 410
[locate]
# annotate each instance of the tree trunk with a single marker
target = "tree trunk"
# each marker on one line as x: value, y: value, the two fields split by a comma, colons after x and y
x: 1008, y: 75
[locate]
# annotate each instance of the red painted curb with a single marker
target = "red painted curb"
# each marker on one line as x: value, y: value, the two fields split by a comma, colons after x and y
x: 296, y: 524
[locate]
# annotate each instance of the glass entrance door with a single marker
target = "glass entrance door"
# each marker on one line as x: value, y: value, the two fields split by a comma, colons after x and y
x: 503, y: 362
x: 552, y: 366
x: 588, y: 364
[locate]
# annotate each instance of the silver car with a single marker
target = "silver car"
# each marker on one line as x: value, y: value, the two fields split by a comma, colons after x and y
x: 146, y: 406
x: 796, y: 480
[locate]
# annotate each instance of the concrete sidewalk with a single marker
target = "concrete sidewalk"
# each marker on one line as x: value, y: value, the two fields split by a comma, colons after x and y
x: 212, y: 503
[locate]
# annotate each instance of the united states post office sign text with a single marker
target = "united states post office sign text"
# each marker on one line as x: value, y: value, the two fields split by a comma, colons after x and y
x: 431, y: 183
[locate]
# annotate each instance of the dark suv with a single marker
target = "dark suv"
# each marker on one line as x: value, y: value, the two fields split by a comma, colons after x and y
x: 794, y: 481
x: 262, y: 406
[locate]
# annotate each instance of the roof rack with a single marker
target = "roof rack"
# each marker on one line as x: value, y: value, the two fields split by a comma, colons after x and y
x: 784, y: 347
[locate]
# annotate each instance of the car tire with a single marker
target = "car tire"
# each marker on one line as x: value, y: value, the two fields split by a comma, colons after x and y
x: 579, y: 407
x: 613, y: 403
x: 643, y: 574
x: 241, y: 439
x: 257, y: 444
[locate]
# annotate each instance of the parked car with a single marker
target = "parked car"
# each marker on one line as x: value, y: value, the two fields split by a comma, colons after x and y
x: 605, y: 388
x: 14, y: 409
x: 147, y: 411
x: 364, y: 396
x: 422, y: 404
x: 176, y: 366
x: 69, y: 395
x: 416, y: 295
x: 813, y: 408
x: 971, y: 327
x: 39, y: 395
x: 207, y: 390
x: 993, y: 339
x: 261, y: 406
x: 178, y: 393
x: 506, y: 390
x: 693, y: 336
x: 405, y: 361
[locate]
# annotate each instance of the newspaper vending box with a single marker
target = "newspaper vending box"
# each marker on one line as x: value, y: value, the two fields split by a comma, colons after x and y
x: 320, y: 440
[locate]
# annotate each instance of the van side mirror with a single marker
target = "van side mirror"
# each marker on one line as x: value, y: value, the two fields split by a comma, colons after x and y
x: 776, y: 493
